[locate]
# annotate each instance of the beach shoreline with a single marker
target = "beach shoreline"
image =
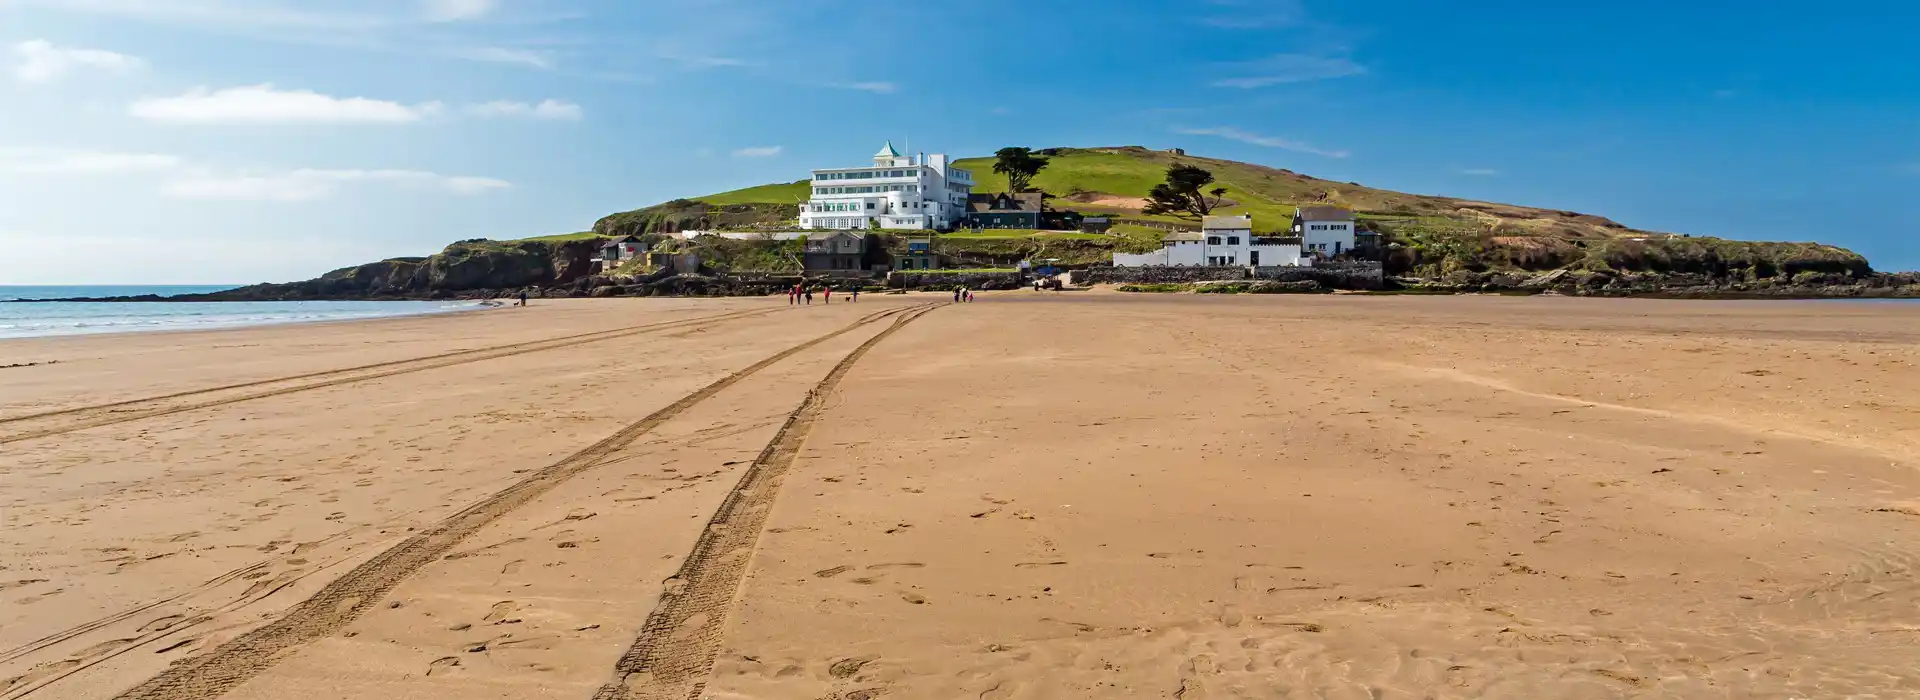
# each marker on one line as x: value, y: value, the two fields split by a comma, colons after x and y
x: 1084, y: 494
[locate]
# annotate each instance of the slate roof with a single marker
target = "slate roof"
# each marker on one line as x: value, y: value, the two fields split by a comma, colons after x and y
x: 1183, y: 236
x: 1324, y: 214
x: 1240, y: 222
x: 1020, y: 203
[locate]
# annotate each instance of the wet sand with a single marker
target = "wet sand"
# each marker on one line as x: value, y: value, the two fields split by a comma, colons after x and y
x: 1082, y: 494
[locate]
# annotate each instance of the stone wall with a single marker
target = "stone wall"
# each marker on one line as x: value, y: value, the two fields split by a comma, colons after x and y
x: 1157, y: 275
x: 934, y: 280
x: 1336, y: 275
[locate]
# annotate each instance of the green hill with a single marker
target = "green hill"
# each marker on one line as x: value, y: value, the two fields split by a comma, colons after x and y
x: 1114, y: 180
x: 1426, y: 233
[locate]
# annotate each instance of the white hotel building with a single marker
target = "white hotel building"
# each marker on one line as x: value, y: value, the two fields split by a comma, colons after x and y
x: 924, y: 192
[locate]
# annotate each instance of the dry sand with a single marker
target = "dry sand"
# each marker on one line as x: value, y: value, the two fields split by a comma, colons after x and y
x: 1037, y: 495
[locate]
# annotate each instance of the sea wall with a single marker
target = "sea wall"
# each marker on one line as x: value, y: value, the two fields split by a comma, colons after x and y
x: 1333, y: 275
x: 933, y: 280
x: 1157, y: 275
x: 1336, y: 275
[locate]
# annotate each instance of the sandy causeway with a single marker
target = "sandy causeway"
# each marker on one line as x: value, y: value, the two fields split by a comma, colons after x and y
x: 1038, y: 495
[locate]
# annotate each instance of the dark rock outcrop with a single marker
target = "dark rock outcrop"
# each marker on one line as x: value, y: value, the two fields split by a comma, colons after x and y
x: 1807, y: 284
x: 468, y: 269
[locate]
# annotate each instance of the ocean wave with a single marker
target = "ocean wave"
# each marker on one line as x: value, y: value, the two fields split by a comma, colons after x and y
x: 76, y: 318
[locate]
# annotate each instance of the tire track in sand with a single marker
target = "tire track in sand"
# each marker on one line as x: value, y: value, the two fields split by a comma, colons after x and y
x: 340, y: 602
x: 132, y: 409
x: 675, y: 650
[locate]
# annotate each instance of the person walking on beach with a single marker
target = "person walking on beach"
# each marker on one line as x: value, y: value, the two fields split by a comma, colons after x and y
x: 793, y: 296
x: 826, y: 295
x: 856, y: 296
x: 523, y: 297
x: 956, y: 295
x: 809, y: 294
x: 969, y: 296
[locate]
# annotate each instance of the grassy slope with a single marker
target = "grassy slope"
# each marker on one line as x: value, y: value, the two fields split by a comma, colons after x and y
x: 1269, y: 194
x: 788, y: 193
x: 583, y: 235
x: 1439, y: 233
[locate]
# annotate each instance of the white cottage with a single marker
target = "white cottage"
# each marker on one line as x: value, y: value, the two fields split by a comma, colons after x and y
x: 1223, y: 241
x: 923, y: 192
x: 1327, y: 231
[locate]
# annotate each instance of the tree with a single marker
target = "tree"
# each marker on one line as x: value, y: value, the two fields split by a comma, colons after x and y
x: 1182, y: 196
x: 1019, y: 164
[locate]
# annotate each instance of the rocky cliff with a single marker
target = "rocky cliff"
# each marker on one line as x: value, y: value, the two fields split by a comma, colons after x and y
x: 475, y: 268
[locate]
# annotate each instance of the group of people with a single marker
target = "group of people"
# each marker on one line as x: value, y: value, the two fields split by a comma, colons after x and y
x: 801, y: 293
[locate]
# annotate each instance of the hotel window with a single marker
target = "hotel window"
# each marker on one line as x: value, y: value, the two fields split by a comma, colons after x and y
x: 1233, y: 240
x: 1213, y: 240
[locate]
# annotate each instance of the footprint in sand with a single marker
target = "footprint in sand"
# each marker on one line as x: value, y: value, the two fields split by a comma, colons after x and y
x: 903, y: 565
x: 835, y: 571
x: 442, y: 664
x: 845, y: 668
x: 503, y: 610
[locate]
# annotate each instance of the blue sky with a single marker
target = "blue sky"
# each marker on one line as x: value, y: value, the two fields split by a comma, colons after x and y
x: 211, y: 141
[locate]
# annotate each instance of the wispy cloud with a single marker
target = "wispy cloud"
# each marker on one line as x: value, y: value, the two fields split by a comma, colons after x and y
x: 265, y: 104
x: 1285, y: 68
x: 758, y: 151
x: 877, y: 87
x: 216, y: 13
x: 1227, y: 132
x: 700, y: 61
x: 457, y: 10
x: 53, y: 161
x: 311, y: 184
x: 42, y: 62
x: 407, y: 27
x: 497, y: 54
x: 1254, y: 14
x: 184, y: 179
x: 1479, y: 172
x: 545, y: 109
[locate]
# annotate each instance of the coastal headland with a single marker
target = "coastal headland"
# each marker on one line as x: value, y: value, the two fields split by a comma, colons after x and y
x: 1423, y: 243
x: 1083, y: 494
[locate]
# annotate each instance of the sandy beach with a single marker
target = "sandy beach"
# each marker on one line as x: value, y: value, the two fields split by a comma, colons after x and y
x: 1038, y: 495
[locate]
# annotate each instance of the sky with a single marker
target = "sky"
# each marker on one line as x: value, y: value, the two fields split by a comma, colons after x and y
x: 240, y: 141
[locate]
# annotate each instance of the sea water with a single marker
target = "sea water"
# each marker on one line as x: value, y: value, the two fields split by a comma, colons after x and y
x: 31, y: 319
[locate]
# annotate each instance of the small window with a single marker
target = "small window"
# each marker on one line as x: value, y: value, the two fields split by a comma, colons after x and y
x: 1233, y: 240
x: 1213, y: 240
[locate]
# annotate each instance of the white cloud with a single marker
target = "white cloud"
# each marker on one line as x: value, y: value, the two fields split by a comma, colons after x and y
x: 311, y: 184
x: 1479, y: 172
x: 1255, y: 14
x: 457, y: 10
x: 43, y: 161
x: 1288, y: 68
x: 1227, y: 132
x: 213, y: 13
x: 264, y: 104
x: 758, y: 151
x: 42, y: 62
x: 879, y: 87
x: 183, y: 179
x: 496, y: 54
x: 546, y: 109
x: 697, y: 61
